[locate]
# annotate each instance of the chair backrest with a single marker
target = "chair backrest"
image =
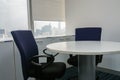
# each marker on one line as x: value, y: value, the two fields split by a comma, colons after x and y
x: 88, y: 33
x: 27, y: 47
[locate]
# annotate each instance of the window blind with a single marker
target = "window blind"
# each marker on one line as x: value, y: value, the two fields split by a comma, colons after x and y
x: 48, y: 10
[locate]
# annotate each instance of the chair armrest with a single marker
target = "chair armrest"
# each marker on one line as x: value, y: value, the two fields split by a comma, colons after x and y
x: 44, y: 51
x: 32, y: 61
x: 70, y: 55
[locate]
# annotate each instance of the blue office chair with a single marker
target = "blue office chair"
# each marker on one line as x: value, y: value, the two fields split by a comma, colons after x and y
x: 29, y: 57
x: 86, y: 34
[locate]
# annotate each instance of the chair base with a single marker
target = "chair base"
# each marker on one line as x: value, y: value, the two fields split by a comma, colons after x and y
x: 44, y: 79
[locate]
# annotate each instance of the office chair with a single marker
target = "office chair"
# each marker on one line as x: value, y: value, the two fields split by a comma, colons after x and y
x: 30, y: 59
x: 86, y: 34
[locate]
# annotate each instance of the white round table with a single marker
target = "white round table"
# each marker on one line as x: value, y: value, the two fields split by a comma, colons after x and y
x: 88, y: 50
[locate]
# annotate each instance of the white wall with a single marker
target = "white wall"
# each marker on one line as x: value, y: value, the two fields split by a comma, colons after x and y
x: 102, y: 13
x: 7, y: 67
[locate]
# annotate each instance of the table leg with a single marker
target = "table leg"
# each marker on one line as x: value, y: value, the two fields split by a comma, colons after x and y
x: 86, y: 67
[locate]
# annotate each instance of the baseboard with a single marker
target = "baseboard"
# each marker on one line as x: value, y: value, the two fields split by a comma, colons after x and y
x: 108, y: 71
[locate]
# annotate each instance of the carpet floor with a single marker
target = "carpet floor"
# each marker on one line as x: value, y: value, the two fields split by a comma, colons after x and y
x: 71, y: 74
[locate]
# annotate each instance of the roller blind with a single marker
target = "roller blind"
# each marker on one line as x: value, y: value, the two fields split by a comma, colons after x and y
x: 48, y: 10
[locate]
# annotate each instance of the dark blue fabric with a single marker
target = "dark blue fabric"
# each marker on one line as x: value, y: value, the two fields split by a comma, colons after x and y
x: 88, y: 33
x: 27, y: 46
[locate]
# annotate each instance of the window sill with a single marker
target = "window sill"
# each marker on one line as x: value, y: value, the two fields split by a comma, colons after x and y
x: 5, y: 40
x: 50, y: 36
x: 38, y: 37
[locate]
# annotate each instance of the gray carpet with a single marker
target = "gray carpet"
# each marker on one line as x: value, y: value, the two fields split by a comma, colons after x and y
x: 71, y: 74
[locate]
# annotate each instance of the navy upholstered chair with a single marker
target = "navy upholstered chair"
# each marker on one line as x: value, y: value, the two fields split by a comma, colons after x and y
x: 86, y: 34
x: 29, y: 58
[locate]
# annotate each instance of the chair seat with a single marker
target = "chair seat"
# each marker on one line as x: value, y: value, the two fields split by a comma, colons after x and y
x: 49, y: 72
x: 74, y: 60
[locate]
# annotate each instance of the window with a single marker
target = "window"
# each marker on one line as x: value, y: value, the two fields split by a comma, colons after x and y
x: 13, y: 16
x: 48, y: 17
x: 49, y: 28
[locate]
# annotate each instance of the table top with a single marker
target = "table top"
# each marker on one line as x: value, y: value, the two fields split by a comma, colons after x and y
x: 85, y: 47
